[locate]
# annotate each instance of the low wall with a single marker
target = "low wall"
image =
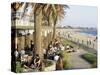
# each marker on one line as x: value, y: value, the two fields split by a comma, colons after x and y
x: 52, y: 67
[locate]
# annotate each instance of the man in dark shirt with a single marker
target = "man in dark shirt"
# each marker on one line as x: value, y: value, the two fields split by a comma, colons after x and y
x: 32, y: 45
x: 37, y: 61
x: 28, y: 64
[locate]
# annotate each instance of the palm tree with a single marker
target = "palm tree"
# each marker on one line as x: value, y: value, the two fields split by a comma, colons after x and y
x: 38, y: 15
x: 16, y: 6
x: 54, y: 12
x: 58, y: 16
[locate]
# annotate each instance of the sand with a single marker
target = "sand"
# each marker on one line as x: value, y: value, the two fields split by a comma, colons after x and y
x: 77, y: 37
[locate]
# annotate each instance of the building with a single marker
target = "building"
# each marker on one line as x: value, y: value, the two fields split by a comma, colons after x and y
x: 22, y: 28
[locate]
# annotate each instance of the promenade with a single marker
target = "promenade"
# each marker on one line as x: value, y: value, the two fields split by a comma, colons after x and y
x: 76, y: 37
x: 76, y: 62
x: 82, y: 44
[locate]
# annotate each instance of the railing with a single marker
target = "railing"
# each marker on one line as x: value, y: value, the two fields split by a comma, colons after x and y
x: 22, y: 23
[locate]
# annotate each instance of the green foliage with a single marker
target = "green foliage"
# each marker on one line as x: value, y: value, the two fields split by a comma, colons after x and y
x: 19, y: 69
x: 77, y: 45
x: 47, y: 63
x: 91, y: 58
x: 64, y: 57
x: 68, y: 42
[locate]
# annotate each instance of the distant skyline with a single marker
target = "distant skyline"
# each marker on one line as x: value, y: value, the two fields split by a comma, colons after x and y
x: 80, y: 16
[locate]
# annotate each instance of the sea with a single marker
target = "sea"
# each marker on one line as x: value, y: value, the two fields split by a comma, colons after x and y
x: 89, y: 32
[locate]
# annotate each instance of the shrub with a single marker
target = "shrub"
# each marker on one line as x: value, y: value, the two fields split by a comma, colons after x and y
x: 64, y: 57
x: 91, y: 58
x: 19, y: 69
x: 47, y: 63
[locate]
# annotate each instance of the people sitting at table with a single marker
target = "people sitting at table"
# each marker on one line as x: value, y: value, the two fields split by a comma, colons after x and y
x: 56, y: 48
x: 37, y: 61
x: 22, y: 51
x: 51, y: 53
x: 27, y: 49
x: 28, y: 62
x: 70, y: 48
x: 56, y: 57
x: 51, y: 44
x: 67, y: 47
x: 32, y: 63
x: 32, y: 45
x: 62, y: 47
x: 56, y: 43
x: 16, y: 53
x: 44, y: 53
x: 53, y: 48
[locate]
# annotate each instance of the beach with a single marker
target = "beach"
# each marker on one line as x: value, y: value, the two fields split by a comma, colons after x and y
x: 76, y: 36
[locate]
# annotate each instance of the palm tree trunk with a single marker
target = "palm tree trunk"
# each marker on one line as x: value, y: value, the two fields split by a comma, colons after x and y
x: 28, y: 39
x: 54, y: 29
x: 50, y: 22
x: 21, y: 42
x: 37, y: 29
x: 25, y: 39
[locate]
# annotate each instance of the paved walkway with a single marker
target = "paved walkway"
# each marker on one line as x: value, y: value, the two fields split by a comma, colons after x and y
x: 76, y: 62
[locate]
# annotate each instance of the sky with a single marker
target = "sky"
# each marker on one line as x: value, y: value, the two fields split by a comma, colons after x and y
x: 83, y: 16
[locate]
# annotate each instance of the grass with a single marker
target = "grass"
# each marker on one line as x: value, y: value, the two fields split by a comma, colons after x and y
x: 91, y: 58
x: 66, y: 42
x: 19, y: 69
x: 64, y: 57
x: 77, y: 45
x: 47, y: 63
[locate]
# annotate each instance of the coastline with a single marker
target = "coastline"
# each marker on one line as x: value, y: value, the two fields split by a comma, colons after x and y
x: 76, y: 36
